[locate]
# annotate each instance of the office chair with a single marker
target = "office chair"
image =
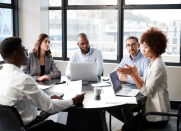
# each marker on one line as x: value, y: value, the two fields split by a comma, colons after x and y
x: 177, y: 115
x: 10, y: 120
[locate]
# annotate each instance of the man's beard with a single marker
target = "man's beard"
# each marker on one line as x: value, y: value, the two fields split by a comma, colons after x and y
x: 85, y: 51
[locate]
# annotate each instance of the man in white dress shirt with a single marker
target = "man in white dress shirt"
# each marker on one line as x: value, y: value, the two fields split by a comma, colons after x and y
x: 21, y: 91
x: 86, y: 54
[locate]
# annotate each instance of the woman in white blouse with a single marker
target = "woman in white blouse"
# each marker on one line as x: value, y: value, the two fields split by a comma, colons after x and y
x: 154, y: 86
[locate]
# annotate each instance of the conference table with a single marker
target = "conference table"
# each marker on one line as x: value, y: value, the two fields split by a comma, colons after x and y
x: 90, y: 115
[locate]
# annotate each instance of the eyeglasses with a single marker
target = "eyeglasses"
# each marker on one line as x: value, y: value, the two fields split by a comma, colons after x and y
x: 133, y: 45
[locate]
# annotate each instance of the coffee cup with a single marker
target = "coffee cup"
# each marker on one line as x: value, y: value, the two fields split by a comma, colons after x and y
x: 98, y: 91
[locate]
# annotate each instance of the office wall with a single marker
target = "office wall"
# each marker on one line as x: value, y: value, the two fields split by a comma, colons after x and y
x: 33, y: 20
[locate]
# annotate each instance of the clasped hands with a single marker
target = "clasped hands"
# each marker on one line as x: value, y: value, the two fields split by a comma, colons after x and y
x: 128, y: 70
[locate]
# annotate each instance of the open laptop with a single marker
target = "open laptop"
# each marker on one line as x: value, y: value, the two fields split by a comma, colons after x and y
x: 83, y: 71
x: 119, y: 90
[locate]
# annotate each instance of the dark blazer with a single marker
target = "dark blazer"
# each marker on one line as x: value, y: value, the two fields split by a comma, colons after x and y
x: 33, y: 67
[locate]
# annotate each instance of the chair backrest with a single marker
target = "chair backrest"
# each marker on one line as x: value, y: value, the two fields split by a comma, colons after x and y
x: 10, y: 120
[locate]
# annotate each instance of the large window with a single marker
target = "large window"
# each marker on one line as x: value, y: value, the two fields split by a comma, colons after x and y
x: 138, y: 21
x: 8, y: 11
x: 109, y: 22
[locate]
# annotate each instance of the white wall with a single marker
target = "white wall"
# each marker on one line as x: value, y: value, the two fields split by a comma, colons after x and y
x: 33, y: 20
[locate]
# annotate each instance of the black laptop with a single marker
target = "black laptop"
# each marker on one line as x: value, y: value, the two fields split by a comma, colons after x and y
x: 122, y: 90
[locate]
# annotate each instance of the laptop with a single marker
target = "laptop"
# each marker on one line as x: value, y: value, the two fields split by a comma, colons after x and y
x: 83, y: 71
x: 119, y: 89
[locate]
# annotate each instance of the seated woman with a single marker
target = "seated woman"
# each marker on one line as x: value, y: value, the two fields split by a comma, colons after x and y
x: 155, y: 85
x: 41, y: 62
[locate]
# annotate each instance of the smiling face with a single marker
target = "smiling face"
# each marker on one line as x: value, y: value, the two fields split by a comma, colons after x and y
x: 45, y: 44
x: 132, y: 47
x: 147, y: 51
x: 83, y: 43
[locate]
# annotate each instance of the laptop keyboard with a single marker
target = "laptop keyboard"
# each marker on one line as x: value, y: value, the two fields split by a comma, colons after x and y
x: 125, y: 91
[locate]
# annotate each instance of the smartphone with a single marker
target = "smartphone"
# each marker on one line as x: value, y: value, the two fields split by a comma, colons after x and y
x: 61, y: 82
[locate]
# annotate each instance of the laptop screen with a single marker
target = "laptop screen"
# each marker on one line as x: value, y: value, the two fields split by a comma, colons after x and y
x: 115, y: 81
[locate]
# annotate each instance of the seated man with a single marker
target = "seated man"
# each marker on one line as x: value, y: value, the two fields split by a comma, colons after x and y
x: 22, y: 92
x: 86, y: 54
x: 136, y: 58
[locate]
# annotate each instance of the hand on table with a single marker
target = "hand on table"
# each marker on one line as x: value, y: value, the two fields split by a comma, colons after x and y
x: 44, y: 77
x: 78, y: 98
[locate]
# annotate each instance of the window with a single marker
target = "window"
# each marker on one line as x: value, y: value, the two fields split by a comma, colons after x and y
x: 6, y: 20
x: 109, y: 22
x: 149, y: 2
x: 55, y: 32
x: 92, y: 2
x: 100, y: 27
x: 138, y: 21
x: 55, y: 3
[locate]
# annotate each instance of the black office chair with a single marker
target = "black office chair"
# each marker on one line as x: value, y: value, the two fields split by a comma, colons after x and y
x: 10, y: 120
x: 167, y: 127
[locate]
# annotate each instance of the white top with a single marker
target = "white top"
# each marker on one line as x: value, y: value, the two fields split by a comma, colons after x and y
x: 94, y: 55
x: 22, y: 92
x: 155, y: 87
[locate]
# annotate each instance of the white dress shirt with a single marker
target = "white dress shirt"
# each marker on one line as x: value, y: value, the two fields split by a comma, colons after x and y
x: 21, y: 91
x: 155, y: 87
x: 94, y: 55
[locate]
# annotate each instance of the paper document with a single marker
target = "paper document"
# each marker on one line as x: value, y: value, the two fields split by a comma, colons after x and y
x: 43, y: 87
x: 101, y: 84
x: 73, y: 88
x: 121, y: 100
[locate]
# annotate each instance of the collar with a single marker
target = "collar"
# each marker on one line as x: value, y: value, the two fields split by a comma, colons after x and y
x: 137, y: 57
x: 89, y: 53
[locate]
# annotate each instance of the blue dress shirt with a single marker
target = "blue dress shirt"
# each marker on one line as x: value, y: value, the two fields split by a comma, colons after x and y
x: 140, y: 62
x: 94, y: 55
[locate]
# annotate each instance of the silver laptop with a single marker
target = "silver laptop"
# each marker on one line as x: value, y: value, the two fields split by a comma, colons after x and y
x: 83, y: 71
x: 119, y: 90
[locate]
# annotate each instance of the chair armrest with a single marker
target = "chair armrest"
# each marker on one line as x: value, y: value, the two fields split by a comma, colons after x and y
x: 157, y: 113
x: 161, y: 114
x: 39, y: 125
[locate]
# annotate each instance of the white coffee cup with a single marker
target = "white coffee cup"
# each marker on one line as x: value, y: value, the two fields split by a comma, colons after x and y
x: 98, y: 91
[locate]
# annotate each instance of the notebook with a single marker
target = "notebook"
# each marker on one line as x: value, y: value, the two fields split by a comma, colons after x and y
x: 119, y: 90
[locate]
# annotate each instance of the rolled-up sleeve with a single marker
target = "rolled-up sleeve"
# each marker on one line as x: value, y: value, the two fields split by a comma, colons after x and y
x: 36, y: 97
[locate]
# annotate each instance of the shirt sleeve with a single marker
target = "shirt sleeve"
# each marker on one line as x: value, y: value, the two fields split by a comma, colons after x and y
x: 72, y: 59
x: 55, y: 71
x: 152, y: 82
x: 36, y: 97
x: 99, y: 62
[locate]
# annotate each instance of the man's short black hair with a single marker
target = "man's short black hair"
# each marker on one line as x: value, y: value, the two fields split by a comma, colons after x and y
x: 9, y: 45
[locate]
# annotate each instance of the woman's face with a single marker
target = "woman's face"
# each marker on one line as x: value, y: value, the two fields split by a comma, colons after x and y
x: 45, y: 44
x: 147, y: 51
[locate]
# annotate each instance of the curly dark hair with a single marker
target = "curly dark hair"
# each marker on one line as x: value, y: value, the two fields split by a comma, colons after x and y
x: 36, y: 49
x: 156, y: 39
x: 9, y: 45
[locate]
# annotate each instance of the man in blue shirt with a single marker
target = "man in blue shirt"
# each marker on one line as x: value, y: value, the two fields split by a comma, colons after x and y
x: 86, y: 54
x: 136, y: 58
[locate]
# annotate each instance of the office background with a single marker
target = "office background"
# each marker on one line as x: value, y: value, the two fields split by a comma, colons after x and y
x: 41, y: 16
